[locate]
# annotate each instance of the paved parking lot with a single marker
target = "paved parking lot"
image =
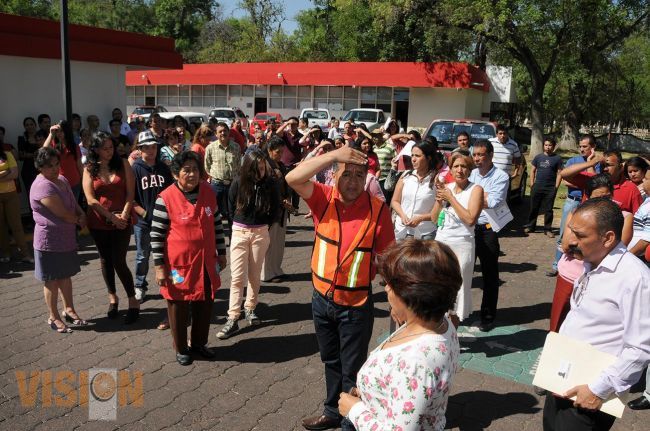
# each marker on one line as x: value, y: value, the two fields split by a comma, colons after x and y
x: 266, y: 378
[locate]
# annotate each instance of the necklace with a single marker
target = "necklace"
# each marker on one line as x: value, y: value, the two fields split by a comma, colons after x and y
x: 442, y: 322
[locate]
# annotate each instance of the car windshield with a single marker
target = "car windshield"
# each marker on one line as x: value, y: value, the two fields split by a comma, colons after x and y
x: 368, y: 116
x: 264, y: 117
x: 448, y: 131
x: 143, y: 110
x: 195, y: 120
x: 222, y: 113
x: 315, y: 115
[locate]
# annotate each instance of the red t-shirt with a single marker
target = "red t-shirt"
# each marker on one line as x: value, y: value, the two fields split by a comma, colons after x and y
x: 373, y: 163
x: 68, y: 166
x: 352, y: 218
x: 236, y: 136
x: 626, y: 194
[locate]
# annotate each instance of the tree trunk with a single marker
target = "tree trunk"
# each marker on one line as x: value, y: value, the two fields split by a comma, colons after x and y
x: 537, y: 120
x: 570, y: 135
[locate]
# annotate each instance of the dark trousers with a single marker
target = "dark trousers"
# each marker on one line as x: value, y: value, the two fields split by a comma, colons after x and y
x: 487, y: 251
x: 221, y: 191
x: 112, y: 246
x: 560, y: 415
x: 178, y: 312
x: 343, y: 335
x: 541, y: 201
x: 387, y: 194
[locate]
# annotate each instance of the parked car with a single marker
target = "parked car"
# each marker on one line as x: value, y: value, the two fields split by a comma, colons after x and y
x: 317, y: 117
x: 229, y: 115
x: 372, y: 118
x: 190, y: 117
x: 261, y: 118
x: 446, y: 132
x: 143, y: 112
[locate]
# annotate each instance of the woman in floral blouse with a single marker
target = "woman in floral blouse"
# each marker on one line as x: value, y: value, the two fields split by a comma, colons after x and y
x: 404, y: 384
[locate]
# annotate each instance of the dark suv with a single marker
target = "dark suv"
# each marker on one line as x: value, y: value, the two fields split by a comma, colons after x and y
x: 446, y: 132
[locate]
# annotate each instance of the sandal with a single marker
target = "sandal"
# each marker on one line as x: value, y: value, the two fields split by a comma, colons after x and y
x: 112, y: 310
x: 76, y: 321
x: 55, y: 327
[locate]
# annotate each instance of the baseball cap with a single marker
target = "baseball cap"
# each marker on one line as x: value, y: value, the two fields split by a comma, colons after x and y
x: 146, y: 138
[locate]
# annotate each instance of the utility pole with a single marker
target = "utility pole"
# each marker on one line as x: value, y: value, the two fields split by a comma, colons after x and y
x: 65, y: 62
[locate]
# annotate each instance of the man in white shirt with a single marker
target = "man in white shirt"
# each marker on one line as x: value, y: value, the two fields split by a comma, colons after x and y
x: 507, y: 156
x: 116, y: 114
x: 610, y: 309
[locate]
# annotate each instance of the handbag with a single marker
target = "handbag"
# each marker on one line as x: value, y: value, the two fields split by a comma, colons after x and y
x: 391, y: 179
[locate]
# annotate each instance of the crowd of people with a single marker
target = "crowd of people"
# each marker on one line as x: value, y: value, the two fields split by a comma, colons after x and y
x: 382, y: 202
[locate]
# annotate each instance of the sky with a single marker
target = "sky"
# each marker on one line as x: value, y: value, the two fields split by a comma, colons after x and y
x: 291, y: 8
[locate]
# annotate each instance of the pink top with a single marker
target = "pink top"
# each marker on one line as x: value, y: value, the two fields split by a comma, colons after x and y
x: 569, y: 268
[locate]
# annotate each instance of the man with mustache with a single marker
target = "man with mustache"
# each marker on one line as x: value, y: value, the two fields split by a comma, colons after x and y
x: 610, y: 309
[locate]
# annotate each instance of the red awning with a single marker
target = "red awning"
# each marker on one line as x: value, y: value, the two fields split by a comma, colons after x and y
x: 38, y: 38
x: 383, y: 74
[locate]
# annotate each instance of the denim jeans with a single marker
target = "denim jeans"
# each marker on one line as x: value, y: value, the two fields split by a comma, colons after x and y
x: 569, y: 206
x: 343, y: 335
x: 143, y: 250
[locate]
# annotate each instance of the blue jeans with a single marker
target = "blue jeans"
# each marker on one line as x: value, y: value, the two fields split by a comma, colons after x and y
x: 143, y: 250
x: 343, y: 335
x: 569, y: 206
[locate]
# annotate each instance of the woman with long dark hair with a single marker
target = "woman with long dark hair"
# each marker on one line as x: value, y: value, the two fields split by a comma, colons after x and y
x: 415, y: 195
x: 253, y: 205
x: 27, y: 148
x: 635, y: 169
x: 109, y: 187
x: 62, y: 139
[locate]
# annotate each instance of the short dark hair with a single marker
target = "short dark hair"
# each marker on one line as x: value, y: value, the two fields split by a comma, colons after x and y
x: 597, y: 182
x: 501, y: 128
x: 484, y: 143
x: 615, y: 153
x: 590, y: 138
x: 224, y: 125
x: 44, y: 155
x: 181, y: 158
x: 463, y: 133
x: 423, y: 274
x: 415, y: 133
x: 113, y: 121
x: 551, y: 140
x: 274, y: 143
x: 77, y: 116
x: 293, y: 118
x: 42, y: 117
x: 607, y: 214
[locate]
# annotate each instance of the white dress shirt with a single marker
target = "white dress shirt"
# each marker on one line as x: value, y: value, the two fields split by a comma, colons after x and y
x: 610, y: 309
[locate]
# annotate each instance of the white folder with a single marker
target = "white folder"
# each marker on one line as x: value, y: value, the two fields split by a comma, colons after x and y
x: 499, y: 216
x: 566, y: 363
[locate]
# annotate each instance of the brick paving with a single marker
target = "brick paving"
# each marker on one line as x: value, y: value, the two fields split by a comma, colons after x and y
x: 264, y: 378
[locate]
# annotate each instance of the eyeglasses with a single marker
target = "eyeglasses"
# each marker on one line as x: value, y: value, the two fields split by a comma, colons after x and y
x: 579, y: 292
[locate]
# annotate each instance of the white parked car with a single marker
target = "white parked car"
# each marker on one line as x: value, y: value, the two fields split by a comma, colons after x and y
x: 190, y: 117
x: 229, y: 115
x: 372, y: 118
x: 317, y: 117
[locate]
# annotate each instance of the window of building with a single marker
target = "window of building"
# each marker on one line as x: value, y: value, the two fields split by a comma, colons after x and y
x: 234, y: 90
x: 283, y: 97
x: 162, y: 98
x: 220, y: 95
x: 172, y: 91
x: 377, y: 97
x: 197, y: 95
x: 130, y: 96
x: 260, y: 91
x: 350, y: 98
x: 184, y: 95
x: 247, y: 90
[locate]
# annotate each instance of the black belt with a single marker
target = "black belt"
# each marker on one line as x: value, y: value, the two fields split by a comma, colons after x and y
x: 573, y: 198
x: 483, y: 227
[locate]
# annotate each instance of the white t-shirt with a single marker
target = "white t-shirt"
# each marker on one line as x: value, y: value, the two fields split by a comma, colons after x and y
x: 417, y: 198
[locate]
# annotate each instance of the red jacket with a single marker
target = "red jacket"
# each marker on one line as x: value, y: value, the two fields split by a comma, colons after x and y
x: 190, y: 245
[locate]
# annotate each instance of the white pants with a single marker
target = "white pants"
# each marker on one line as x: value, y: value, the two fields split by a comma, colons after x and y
x: 464, y: 249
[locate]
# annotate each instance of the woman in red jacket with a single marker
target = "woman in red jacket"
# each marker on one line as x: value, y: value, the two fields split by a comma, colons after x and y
x: 186, y: 235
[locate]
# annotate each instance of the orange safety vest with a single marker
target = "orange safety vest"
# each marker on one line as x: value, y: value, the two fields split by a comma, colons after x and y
x: 346, y: 281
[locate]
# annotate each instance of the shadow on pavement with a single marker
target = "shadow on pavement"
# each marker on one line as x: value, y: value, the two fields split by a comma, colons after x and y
x: 298, y: 243
x: 476, y: 410
x: 524, y: 314
x: 516, y: 268
x: 497, y: 345
x: 267, y: 349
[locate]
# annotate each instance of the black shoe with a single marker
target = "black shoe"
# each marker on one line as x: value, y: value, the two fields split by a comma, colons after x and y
x: 641, y: 403
x: 132, y: 315
x: 321, y: 423
x: 552, y: 273
x: 486, y: 325
x: 202, y: 351
x: 183, y: 358
x: 112, y: 310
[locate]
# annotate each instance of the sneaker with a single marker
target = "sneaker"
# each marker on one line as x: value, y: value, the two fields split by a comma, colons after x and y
x: 139, y: 294
x: 550, y: 234
x: 5, y: 259
x: 228, y: 329
x: 251, y: 317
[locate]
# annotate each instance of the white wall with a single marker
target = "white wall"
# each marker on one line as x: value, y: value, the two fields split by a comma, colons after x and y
x: 501, y: 86
x: 31, y: 86
x: 428, y: 104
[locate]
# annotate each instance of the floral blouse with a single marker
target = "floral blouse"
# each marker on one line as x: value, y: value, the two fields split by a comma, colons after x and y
x: 406, y: 387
